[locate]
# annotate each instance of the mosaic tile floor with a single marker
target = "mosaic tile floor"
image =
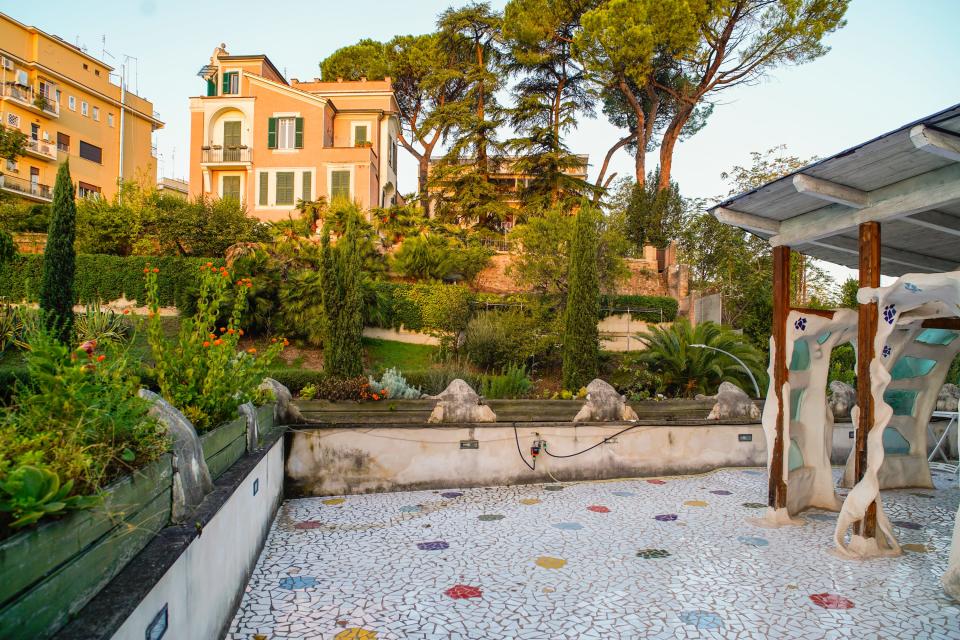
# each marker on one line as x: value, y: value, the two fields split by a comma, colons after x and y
x: 670, y: 558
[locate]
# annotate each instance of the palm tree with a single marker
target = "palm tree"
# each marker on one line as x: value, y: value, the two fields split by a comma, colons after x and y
x: 685, y: 371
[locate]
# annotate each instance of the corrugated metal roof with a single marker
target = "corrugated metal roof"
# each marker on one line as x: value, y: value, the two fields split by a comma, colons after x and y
x: 915, y: 241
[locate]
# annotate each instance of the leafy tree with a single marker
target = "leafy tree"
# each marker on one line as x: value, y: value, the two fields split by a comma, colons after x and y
x: 653, y: 215
x: 848, y: 293
x: 685, y: 371
x: 343, y: 301
x: 738, y: 43
x: 8, y: 248
x: 581, y: 339
x: 59, y: 260
x: 551, y: 92
x: 12, y: 143
x: 434, y: 257
x: 543, y: 259
x: 365, y: 59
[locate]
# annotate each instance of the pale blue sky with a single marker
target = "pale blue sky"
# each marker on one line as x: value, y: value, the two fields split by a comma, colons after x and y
x: 894, y: 62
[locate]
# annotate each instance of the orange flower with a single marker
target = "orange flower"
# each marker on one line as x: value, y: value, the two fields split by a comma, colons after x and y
x: 222, y: 329
x: 273, y: 339
x: 212, y: 336
x: 209, y: 264
x: 230, y: 331
x: 206, y: 343
x: 126, y: 312
x: 101, y: 358
x: 252, y: 350
x: 376, y: 397
x: 286, y: 342
x: 240, y: 331
x: 146, y: 270
x: 155, y: 270
x: 218, y: 342
x: 384, y: 392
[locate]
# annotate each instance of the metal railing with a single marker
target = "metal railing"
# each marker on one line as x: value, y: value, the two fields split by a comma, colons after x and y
x: 23, y: 187
x: 226, y: 155
x: 45, y: 149
x: 497, y: 244
x: 30, y: 97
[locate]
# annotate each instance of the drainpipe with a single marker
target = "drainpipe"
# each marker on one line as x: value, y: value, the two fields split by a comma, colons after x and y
x: 123, y: 99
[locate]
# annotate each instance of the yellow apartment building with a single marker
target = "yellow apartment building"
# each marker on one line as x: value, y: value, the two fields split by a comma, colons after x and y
x: 268, y: 142
x: 63, y: 100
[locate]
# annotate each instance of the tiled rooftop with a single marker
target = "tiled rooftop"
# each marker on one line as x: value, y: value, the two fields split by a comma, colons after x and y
x: 642, y: 558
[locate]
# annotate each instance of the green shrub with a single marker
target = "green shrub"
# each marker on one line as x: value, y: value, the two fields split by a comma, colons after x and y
x: 340, y: 389
x: 430, y: 308
x: 308, y: 392
x: 436, y: 257
x: 100, y: 325
x: 581, y: 342
x: 60, y: 260
x: 496, y: 339
x: 434, y: 380
x: 513, y: 382
x: 100, y: 277
x: 8, y: 248
x: 662, y: 307
x: 29, y: 493
x: 24, y: 216
x: 201, y: 372
x: 297, y: 379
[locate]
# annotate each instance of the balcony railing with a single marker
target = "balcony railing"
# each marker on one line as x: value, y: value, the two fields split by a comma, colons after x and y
x: 228, y: 155
x: 30, y: 98
x: 26, y: 188
x: 40, y: 148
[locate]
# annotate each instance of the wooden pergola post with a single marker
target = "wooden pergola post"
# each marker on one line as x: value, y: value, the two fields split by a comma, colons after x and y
x: 866, y: 332
x: 777, y: 488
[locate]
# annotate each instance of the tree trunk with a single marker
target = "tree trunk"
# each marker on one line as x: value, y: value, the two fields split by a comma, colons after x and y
x: 669, y: 142
x: 423, y: 173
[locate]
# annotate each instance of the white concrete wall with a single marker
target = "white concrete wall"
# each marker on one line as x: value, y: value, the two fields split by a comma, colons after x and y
x: 201, y: 589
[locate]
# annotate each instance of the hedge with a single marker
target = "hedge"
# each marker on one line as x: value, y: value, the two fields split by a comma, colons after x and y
x: 425, y: 307
x: 102, y: 278
x: 610, y: 305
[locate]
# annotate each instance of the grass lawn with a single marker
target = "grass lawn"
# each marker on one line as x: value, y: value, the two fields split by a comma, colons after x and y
x: 383, y: 354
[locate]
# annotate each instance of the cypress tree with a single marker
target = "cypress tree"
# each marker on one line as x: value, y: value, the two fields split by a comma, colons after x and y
x: 59, y: 260
x: 343, y: 303
x: 581, y: 339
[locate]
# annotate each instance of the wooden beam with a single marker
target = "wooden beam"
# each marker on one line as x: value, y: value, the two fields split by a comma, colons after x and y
x: 941, y: 323
x: 746, y: 221
x: 866, y: 331
x: 823, y: 313
x: 831, y: 191
x: 777, y: 486
x: 935, y: 221
x: 920, y: 193
x: 896, y: 256
x: 936, y: 141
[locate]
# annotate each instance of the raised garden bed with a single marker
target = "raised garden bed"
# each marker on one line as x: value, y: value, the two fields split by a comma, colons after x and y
x: 51, y: 571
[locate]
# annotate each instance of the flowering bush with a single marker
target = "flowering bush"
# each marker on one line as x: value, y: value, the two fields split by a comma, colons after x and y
x: 201, y: 371
x: 72, y: 427
x: 393, y: 385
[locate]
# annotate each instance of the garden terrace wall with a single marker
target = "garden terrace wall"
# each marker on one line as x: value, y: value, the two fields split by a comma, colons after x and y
x: 50, y: 572
x: 102, y: 278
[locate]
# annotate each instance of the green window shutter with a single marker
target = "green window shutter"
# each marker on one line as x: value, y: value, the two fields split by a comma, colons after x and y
x: 231, y: 187
x: 272, y: 133
x: 298, y: 134
x: 211, y: 87
x: 264, y: 188
x: 339, y: 185
x: 307, y: 193
x: 359, y: 134
x: 285, y: 187
x: 226, y: 83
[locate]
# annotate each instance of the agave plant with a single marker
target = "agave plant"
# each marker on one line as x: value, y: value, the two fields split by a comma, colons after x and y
x: 11, y: 326
x: 685, y: 370
x: 29, y: 493
x: 98, y: 325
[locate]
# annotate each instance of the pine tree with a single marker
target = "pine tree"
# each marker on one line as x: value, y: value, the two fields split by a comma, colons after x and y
x: 581, y: 339
x: 343, y: 301
x: 59, y: 260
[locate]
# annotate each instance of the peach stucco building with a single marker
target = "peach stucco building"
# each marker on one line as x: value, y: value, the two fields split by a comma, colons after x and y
x: 63, y: 99
x: 270, y: 143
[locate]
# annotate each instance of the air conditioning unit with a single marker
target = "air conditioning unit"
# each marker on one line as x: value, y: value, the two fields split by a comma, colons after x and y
x: 8, y: 64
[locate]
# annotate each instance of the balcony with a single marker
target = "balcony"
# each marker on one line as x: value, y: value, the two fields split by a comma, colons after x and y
x: 224, y: 157
x: 25, y: 188
x: 41, y: 149
x: 27, y: 97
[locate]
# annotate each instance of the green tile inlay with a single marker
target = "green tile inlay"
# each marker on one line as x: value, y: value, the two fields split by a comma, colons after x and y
x: 910, y: 367
x: 902, y: 401
x: 894, y: 443
x: 801, y: 356
x: 794, y: 457
x: 796, y: 399
x: 936, y: 336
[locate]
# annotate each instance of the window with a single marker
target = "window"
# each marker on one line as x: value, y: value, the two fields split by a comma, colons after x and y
x: 85, y: 67
x: 212, y: 86
x: 339, y: 185
x: 85, y: 189
x: 230, y: 188
x: 359, y: 135
x: 231, y: 83
x: 11, y: 165
x: 96, y: 72
x: 72, y: 103
x: 285, y: 187
x: 231, y: 141
x: 264, y: 189
x: 96, y: 114
x: 110, y: 119
x: 91, y: 152
x: 63, y: 142
x: 22, y: 79
x: 84, y: 108
x: 307, y: 193
x: 285, y: 133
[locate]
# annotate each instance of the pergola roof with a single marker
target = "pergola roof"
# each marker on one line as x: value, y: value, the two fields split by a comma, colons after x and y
x: 907, y: 179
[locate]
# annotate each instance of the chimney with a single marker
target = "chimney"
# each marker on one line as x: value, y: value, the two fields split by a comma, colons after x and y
x: 294, y: 81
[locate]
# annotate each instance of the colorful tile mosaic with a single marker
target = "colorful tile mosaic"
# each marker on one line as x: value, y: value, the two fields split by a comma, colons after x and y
x: 368, y: 567
x: 548, y: 562
x: 721, y: 492
x: 568, y: 526
x: 529, y: 501
x: 906, y: 524
x: 356, y: 634
x: 665, y: 517
x: 451, y: 494
x: 331, y: 502
x: 553, y: 487
x: 753, y: 541
x: 597, y: 508
x: 655, y: 481
x: 694, y: 503
x: 490, y: 517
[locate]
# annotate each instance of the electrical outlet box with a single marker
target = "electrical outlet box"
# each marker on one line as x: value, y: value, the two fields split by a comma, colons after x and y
x: 469, y: 444
x: 745, y: 437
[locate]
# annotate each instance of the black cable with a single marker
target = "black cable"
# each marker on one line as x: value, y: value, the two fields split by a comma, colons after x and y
x: 570, y: 455
x: 516, y: 436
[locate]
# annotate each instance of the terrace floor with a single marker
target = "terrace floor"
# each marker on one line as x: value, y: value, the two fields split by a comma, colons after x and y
x: 640, y: 558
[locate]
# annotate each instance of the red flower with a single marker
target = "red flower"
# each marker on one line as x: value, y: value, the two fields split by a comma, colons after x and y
x: 206, y: 343
x: 101, y: 358
x: 155, y: 270
x: 831, y: 601
x: 222, y: 329
x: 252, y: 350
x: 218, y: 342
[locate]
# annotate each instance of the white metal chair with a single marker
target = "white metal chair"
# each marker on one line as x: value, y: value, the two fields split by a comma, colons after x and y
x: 938, y: 449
